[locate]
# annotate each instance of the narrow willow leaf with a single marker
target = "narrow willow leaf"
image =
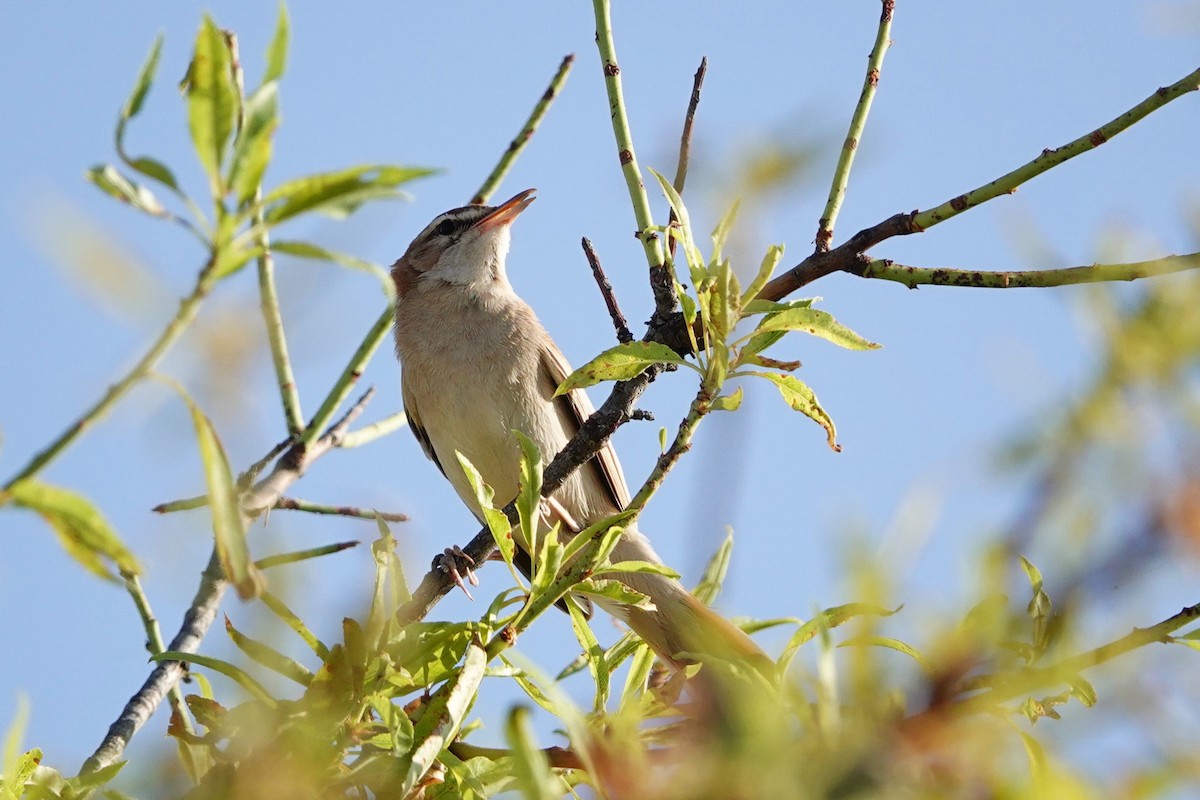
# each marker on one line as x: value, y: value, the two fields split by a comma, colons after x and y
x: 380, y: 616
x: 619, y: 363
x: 645, y: 567
x: 684, y: 233
x: 720, y: 234
x: 295, y: 623
x: 109, y: 180
x: 234, y: 673
x: 597, y: 536
x: 888, y: 642
x: 765, y: 270
x: 212, y: 101
x: 748, y: 353
x: 760, y: 306
x: 268, y: 656
x: 252, y: 149
x: 728, y: 402
x: 338, y: 192
x: 80, y: 526
x: 303, y: 555
x: 827, y: 619
x: 531, y: 769
x: 529, y: 495
x: 318, y: 253
x: 800, y: 397
x: 616, y: 591
x: 593, y: 654
x: 152, y: 168
x: 443, y: 717
x: 818, y: 323
x: 709, y: 587
x: 228, y: 527
x: 141, y: 86
x: 497, y: 523
x: 639, y: 672
x: 277, y: 51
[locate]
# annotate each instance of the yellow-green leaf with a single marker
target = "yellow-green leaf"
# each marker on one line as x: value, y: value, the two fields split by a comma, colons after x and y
x: 338, y: 192
x: 800, y: 397
x: 619, y: 363
x: 252, y: 149
x: 80, y: 526
x: 278, y: 49
x: 497, y: 523
x: 529, y: 498
x: 765, y: 270
x: 212, y: 101
x: 815, y: 322
x: 531, y: 768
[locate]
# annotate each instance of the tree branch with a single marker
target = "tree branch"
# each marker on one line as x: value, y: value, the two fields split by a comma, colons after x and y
x: 606, y: 291
x: 912, y: 277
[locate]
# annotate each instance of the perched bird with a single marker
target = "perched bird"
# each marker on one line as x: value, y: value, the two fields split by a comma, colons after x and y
x: 477, y: 364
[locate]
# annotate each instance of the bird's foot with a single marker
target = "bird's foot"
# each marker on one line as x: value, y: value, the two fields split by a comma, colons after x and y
x: 458, y: 565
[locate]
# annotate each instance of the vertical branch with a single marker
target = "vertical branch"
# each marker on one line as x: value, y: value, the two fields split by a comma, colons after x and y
x: 858, y: 121
x: 522, y: 138
x: 268, y: 297
x: 685, y: 141
x: 661, y: 282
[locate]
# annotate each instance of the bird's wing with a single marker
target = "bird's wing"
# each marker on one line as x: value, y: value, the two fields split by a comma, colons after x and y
x: 414, y: 425
x: 573, y: 408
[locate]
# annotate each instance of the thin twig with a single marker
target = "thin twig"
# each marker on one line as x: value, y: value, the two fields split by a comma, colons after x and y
x: 295, y: 504
x: 662, y: 284
x: 883, y: 269
x: 203, y: 609
x: 518, y: 144
x: 184, y: 316
x: 606, y: 291
x: 376, y: 430
x: 685, y: 143
x: 858, y: 121
x: 268, y: 296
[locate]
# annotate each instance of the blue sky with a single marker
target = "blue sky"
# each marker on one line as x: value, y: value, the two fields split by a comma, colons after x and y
x: 969, y: 91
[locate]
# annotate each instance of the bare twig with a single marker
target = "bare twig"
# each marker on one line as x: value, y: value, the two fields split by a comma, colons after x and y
x: 685, y: 143
x: 294, y: 504
x: 858, y: 121
x: 606, y: 290
x: 203, y: 609
x: 518, y: 144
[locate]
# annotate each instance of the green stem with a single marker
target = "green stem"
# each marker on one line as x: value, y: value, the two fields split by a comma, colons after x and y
x: 841, y: 174
x: 376, y: 430
x: 348, y: 378
x: 912, y: 277
x: 518, y: 144
x: 295, y: 504
x: 660, y: 277
x: 701, y: 405
x: 188, y: 308
x: 1007, y: 184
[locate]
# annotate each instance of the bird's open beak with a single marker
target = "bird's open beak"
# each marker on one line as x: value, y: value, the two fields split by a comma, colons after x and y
x: 507, y: 211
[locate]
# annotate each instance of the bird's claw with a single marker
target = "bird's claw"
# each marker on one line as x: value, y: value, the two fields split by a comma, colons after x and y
x: 457, y: 564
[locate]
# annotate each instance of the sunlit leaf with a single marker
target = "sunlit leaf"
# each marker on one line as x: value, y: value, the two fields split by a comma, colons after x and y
x: 212, y: 101
x: 318, y: 253
x: 80, y: 526
x: 619, y: 363
x: 231, y: 671
x: 443, y: 717
x: 295, y: 623
x: 642, y: 567
x: 709, y: 587
x: 593, y: 654
x: 889, y: 643
x: 337, y: 192
x: 615, y: 591
x: 815, y: 322
x: 529, y: 495
x: 109, y: 180
x: 278, y: 50
x: 497, y: 523
x: 829, y: 618
x: 765, y: 270
x: 720, y: 233
x: 728, y: 402
x: 531, y: 769
x: 268, y: 656
x: 801, y: 398
x: 252, y: 149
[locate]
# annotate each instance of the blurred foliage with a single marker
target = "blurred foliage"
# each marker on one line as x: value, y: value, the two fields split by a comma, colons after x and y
x: 851, y: 710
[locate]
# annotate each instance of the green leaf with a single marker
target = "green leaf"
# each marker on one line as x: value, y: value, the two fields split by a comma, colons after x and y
x: 109, y: 180
x: 252, y: 149
x: 155, y: 169
x: 643, y: 567
x: 303, y: 555
x: 443, y: 717
x: 827, y: 619
x: 815, y: 322
x: 728, y: 402
x: 709, y: 587
x: 141, y: 85
x: 765, y: 270
x: 593, y: 654
x: 684, y: 233
x: 1082, y: 690
x: 388, y: 575
x: 235, y: 673
x: 531, y: 768
x: 80, y: 526
x: 616, y: 591
x: 497, y: 523
x: 317, y: 253
x: 230, y: 260
x: 338, y: 192
x: 801, y: 398
x: 639, y: 672
x: 212, y: 101
x: 760, y: 306
x: 619, y: 363
x: 268, y: 656
x: 229, y: 530
x: 278, y: 49
x: 295, y: 623
x: 720, y: 233
x: 888, y: 642
x: 529, y: 494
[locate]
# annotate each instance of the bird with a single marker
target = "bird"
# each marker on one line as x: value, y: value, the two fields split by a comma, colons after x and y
x: 477, y: 364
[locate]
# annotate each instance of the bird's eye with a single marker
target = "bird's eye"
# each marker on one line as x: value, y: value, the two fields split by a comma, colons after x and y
x: 446, y: 227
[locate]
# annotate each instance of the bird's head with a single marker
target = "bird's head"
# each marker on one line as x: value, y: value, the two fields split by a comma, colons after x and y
x: 464, y: 246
